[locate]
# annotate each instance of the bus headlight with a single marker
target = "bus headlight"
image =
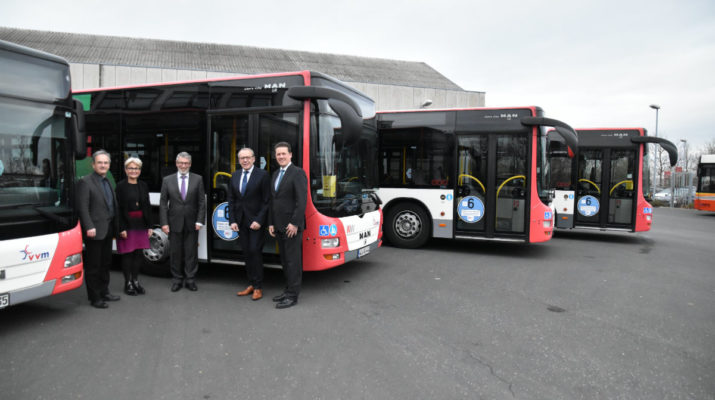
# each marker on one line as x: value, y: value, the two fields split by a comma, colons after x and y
x: 330, y: 243
x: 73, y: 260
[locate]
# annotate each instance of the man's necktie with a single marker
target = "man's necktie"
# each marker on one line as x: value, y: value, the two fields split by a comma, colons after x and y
x: 244, y: 182
x: 183, y: 187
x: 280, y: 176
x: 108, y: 195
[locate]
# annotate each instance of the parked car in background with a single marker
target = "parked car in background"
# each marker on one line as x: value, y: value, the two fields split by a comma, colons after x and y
x: 663, y: 195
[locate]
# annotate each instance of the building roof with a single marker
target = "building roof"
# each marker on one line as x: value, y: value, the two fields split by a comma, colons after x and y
x: 115, y: 50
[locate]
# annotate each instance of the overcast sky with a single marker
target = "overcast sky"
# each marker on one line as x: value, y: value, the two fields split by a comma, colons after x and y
x: 587, y: 63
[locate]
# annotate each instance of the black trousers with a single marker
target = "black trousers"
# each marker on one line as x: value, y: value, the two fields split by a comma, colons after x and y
x: 291, y: 250
x: 97, y: 262
x: 183, y: 254
x: 252, y: 247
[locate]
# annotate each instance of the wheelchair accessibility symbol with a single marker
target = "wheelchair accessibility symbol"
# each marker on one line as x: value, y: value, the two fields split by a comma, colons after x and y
x: 323, y: 230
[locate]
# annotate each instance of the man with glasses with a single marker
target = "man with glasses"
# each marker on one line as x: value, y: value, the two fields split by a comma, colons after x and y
x: 182, y: 213
x: 248, y: 199
x: 97, y: 208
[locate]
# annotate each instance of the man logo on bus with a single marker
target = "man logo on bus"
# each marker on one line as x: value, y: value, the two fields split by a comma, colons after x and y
x: 33, y: 257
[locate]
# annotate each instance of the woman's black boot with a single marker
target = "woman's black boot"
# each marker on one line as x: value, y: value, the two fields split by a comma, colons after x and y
x: 129, y: 288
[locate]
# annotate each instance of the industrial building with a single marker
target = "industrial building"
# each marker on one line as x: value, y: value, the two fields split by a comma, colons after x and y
x: 108, y: 61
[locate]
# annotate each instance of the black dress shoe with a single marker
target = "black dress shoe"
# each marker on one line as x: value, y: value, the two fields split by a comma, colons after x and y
x: 192, y: 286
x: 287, y: 302
x: 110, y: 297
x: 139, y: 288
x: 175, y: 287
x: 99, y: 304
x: 280, y: 297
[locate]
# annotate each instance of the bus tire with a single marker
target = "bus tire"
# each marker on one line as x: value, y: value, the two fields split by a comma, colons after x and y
x: 407, y: 225
x: 156, y: 258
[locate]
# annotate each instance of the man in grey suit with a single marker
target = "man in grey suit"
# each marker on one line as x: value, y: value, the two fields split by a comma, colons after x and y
x: 286, y: 221
x: 182, y: 213
x: 97, y: 205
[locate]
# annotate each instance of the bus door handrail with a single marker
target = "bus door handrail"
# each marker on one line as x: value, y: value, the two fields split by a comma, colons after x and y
x: 620, y: 183
x: 216, y: 175
x: 512, y: 178
x: 473, y: 178
x: 592, y: 183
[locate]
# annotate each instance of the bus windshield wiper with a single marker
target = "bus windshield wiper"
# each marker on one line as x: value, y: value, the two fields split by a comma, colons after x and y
x: 50, y: 215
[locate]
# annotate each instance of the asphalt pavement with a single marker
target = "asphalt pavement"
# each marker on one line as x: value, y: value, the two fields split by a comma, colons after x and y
x: 588, y: 315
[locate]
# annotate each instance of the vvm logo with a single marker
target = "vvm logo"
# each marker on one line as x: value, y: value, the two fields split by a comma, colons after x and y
x: 29, y: 256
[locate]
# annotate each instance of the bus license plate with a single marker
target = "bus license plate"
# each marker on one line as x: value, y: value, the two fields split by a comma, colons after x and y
x: 4, y: 300
x: 364, y: 251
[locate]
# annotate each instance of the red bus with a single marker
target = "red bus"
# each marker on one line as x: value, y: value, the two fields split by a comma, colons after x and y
x: 40, y: 135
x: 600, y: 185
x: 330, y: 126
x: 705, y: 189
x: 466, y: 174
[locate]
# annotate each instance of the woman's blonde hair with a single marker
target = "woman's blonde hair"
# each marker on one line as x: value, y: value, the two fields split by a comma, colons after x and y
x: 133, y: 160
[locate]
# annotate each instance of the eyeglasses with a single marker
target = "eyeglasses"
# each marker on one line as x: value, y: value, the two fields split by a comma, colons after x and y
x: 133, y: 169
x: 184, y: 162
x: 245, y: 158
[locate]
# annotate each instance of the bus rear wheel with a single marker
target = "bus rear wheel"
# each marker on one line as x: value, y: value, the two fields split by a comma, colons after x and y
x: 156, y: 258
x: 407, y: 226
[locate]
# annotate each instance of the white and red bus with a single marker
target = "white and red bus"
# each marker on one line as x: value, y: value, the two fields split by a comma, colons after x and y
x: 705, y: 189
x: 466, y: 174
x: 600, y: 185
x: 40, y: 135
x: 330, y: 126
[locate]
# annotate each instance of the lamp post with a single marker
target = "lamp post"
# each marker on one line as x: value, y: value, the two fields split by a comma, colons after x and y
x: 655, y: 170
x: 688, y: 177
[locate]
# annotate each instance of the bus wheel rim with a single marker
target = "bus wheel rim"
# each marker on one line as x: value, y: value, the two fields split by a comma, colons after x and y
x: 408, y: 225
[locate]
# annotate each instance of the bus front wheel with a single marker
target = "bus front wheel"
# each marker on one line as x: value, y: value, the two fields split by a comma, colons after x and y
x: 408, y: 226
x: 156, y: 258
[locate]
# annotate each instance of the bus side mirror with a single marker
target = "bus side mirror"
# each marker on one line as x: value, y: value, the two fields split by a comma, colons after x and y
x: 350, y: 121
x: 79, y: 134
x: 347, y: 109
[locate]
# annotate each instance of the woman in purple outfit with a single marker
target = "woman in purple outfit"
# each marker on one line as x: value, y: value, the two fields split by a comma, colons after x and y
x: 134, y: 220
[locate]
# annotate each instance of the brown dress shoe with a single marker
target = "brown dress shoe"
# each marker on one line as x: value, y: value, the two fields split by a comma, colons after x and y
x: 245, y: 292
x: 257, y: 294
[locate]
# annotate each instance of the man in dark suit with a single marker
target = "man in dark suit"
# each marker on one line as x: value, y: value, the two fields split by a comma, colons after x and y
x: 182, y: 213
x: 248, y: 199
x: 97, y: 207
x: 286, y: 221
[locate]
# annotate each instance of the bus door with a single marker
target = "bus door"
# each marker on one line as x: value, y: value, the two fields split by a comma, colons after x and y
x: 230, y: 133
x: 606, y: 188
x: 491, y: 186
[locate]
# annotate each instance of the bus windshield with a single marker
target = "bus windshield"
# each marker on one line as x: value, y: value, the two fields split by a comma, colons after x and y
x: 32, y: 162
x: 343, y: 171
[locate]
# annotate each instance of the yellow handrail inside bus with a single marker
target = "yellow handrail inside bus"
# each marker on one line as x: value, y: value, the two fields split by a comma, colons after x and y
x: 512, y: 178
x: 628, y: 182
x: 594, y: 185
x: 216, y: 175
x: 472, y: 178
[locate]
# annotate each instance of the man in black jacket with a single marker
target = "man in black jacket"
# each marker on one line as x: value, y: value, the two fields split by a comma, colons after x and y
x: 248, y: 199
x: 97, y: 208
x: 286, y: 221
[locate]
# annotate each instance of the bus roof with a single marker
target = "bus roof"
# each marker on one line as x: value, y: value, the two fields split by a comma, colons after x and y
x: 533, y: 108
x: 306, y: 75
x: 707, y: 159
